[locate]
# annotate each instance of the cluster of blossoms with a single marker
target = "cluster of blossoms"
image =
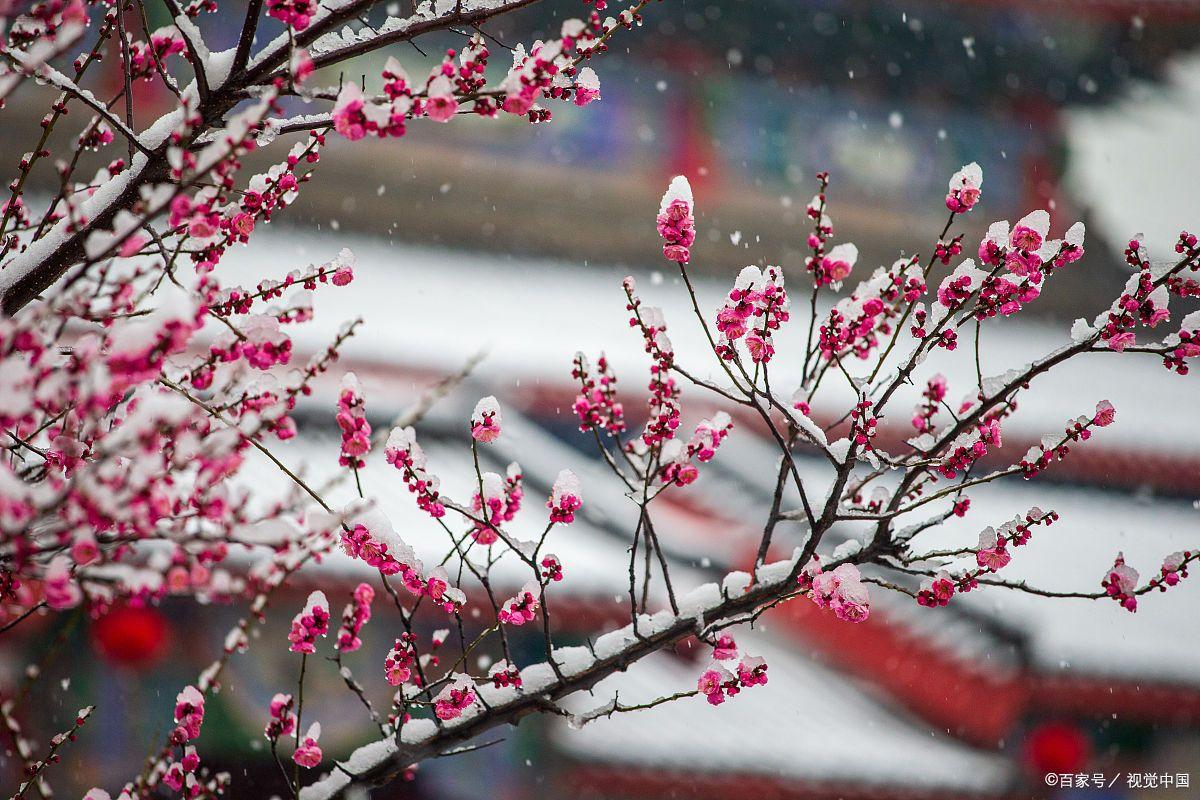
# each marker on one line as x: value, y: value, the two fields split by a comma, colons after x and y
x: 1028, y: 255
x: 1039, y: 457
x: 522, y: 607
x: 970, y: 446
x: 146, y: 58
x: 724, y: 678
x: 311, y: 623
x: 991, y: 555
x: 676, y: 457
x: 399, y: 666
x: 863, y: 423
x: 500, y: 500
x: 485, y: 420
x: 308, y: 752
x: 352, y: 420
x: 457, y: 696
x: 965, y: 189
x: 504, y: 674
x: 551, y: 568
x: 1121, y: 583
x: 296, y: 14
x: 566, y: 497
x: 676, y: 223
x: 356, y: 614
x: 933, y: 396
x: 664, y: 393
x: 1143, y: 301
x: 549, y: 68
x: 282, y: 720
x: 238, y: 300
x: 1183, y: 345
x: 756, y: 307
x: 189, y: 715
x: 841, y: 590
x: 597, y: 406
x: 405, y: 454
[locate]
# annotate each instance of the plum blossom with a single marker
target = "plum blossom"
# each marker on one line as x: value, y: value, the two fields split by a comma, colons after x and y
x: 441, y: 103
x: 486, y: 420
x: 712, y: 683
x: 308, y: 752
x: 189, y: 714
x: 352, y: 419
x: 836, y: 266
x: 348, y: 117
x: 405, y: 454
x: 357, y: 613
x: 398, y: 667
x: 676, y: 223
x: 587, y: 87
x: 717, y: 683
x: 566, y: 497
x: 1105, y: 414
x: 840, y: 590
x: 59, y: 587
x: 312, y: 622
x: 282, y: 719
x: 992, y: 553
x: 455, y: 698
x: 523, y: 607
x: 1120, y: 583
x: 965, y: 189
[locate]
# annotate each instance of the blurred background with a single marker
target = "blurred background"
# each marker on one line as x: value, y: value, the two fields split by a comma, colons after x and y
x: 512, y: 238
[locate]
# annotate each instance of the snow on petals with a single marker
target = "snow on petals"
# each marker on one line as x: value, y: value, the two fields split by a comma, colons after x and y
x: 455, y: 698
x: 523, y: 607
x: 676, y: 223
x: 311, y: 623
x: 965, y: 189
x: 840, y: 589
x: 308, y: 753
x: 485, y: 420
x: 587, y: 86
x: 566, y: 497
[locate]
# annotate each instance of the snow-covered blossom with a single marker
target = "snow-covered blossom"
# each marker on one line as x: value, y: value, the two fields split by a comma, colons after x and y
x: 189, y: 714
x: 836, y: 265
x: 308, y: 752
x: 357, y: 613
x: 282, y: 719
x: 840, y: 590
x: 587, y: 87
x: 405, y: 454
x: 1120, y: 583
x: 457, y: 696
x: 566, y: 497
x: 676, y: 223
x: 312, y: 622
x: 352, y: 420
x: 398, y: 667
x: 717, y: 683
x: 755, y: 308
x: 522, y: 607
x: 485, y: 420
x: 965, y: 188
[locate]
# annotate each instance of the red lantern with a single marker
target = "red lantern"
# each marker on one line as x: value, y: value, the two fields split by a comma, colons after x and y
x: 1057, y: 747
x: 131, y: 636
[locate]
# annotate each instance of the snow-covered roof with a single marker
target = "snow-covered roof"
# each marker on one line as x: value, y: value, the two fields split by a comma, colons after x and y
x: 807, y: 724
x: 1133, y: 161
